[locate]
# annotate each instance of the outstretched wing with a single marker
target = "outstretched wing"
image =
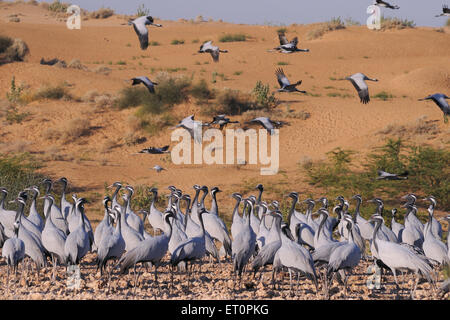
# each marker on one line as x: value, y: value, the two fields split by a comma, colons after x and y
x: 215, y: 55
x: 283, y: 39
x: 362, y: 88
x: 142, y: 32
x: 282, y: 79
x: 146, y: 81
x: 206, y: 45
x: 294, y: 41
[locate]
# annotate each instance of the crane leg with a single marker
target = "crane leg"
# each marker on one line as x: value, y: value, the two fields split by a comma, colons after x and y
x: 7, y: 280
x: 345, y: 285
x: 414, y: 286
x: 290, y: 283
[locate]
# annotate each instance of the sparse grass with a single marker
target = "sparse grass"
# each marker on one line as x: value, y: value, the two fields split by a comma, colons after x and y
x: 142, y: 11
x: 233, y: 37
x: 101, y: 13
x: 383, y: 95
x: 351, y: 22
x: 121, y: 63
x: 237, y: 73
x: 282, y: 30
x: 58, y: 92
x: 396, y: 23
x: 322, y: 28
x: 103, y: 70
x: 282, y: 63
x: 448, y: 22
x: 76, y: 64
x: 177, y: 42
x: 12, y: 50
x: 429, y: 173
x: 154, y: 43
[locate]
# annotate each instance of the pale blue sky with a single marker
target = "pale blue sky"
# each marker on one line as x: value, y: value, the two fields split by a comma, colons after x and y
x: 273, y: 11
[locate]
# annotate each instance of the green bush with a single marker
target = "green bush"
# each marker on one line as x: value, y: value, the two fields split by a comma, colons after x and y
x: 176, y: 42
x: 233, y: 37
x: 131, y: 97
x: 18, y: 172
x: 264, y: 98
x: 428, y: 168
x: 58, y: 6
x: 201, y: 91
x: 232, y: 102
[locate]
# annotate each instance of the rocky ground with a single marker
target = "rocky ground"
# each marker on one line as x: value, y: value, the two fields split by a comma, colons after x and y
x: 213, y: 281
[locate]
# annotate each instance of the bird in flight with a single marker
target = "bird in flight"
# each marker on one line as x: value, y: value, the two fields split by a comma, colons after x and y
x: 445, y: 11
x: 154, y: 150
x: 222, y: 121
x: 384, y: 4
x: 288, y: 47
x: 267, y: 123
x: 139, y: 25
x: 285, y: 84
x: 146, y: 82
x: 213, y: 50
x: 158, y: 168
x: 439, y: 99
x: 358, y: 81
x: 383, y: 175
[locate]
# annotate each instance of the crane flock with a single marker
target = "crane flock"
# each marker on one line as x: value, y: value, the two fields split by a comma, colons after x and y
x: 314, y: 246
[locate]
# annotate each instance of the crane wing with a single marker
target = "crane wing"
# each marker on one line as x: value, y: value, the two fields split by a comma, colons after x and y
x: 282, y: 79
x: 283, y: 39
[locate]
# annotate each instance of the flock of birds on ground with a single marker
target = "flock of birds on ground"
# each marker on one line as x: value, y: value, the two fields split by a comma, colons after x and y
x: 312, y: 245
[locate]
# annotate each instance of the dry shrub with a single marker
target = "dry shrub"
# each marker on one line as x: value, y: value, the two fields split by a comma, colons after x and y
x: 12, y: 50
x: 75, y: 129
x: 52, y: 153
x: 322, y: 28
x: 103, y: 70
x: 76, y: 64
x: 51, y: 134
x: 57, y: 92
x: 396, y: 23
x: 104, y: 100
x: 90, y: 96
x: 107, y: 146
x: 14, y: 19
x: 132, y: 139
x: 18, y: 146
x: 422, y: 126
x: 101, y: 13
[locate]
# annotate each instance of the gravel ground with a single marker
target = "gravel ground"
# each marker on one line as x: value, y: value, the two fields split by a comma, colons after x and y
x: 213, y: 281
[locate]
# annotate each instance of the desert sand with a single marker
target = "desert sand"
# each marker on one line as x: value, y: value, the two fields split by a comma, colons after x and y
x: 409, y: 63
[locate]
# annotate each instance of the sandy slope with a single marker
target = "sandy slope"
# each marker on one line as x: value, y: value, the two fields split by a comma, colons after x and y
x: 409, y: 64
